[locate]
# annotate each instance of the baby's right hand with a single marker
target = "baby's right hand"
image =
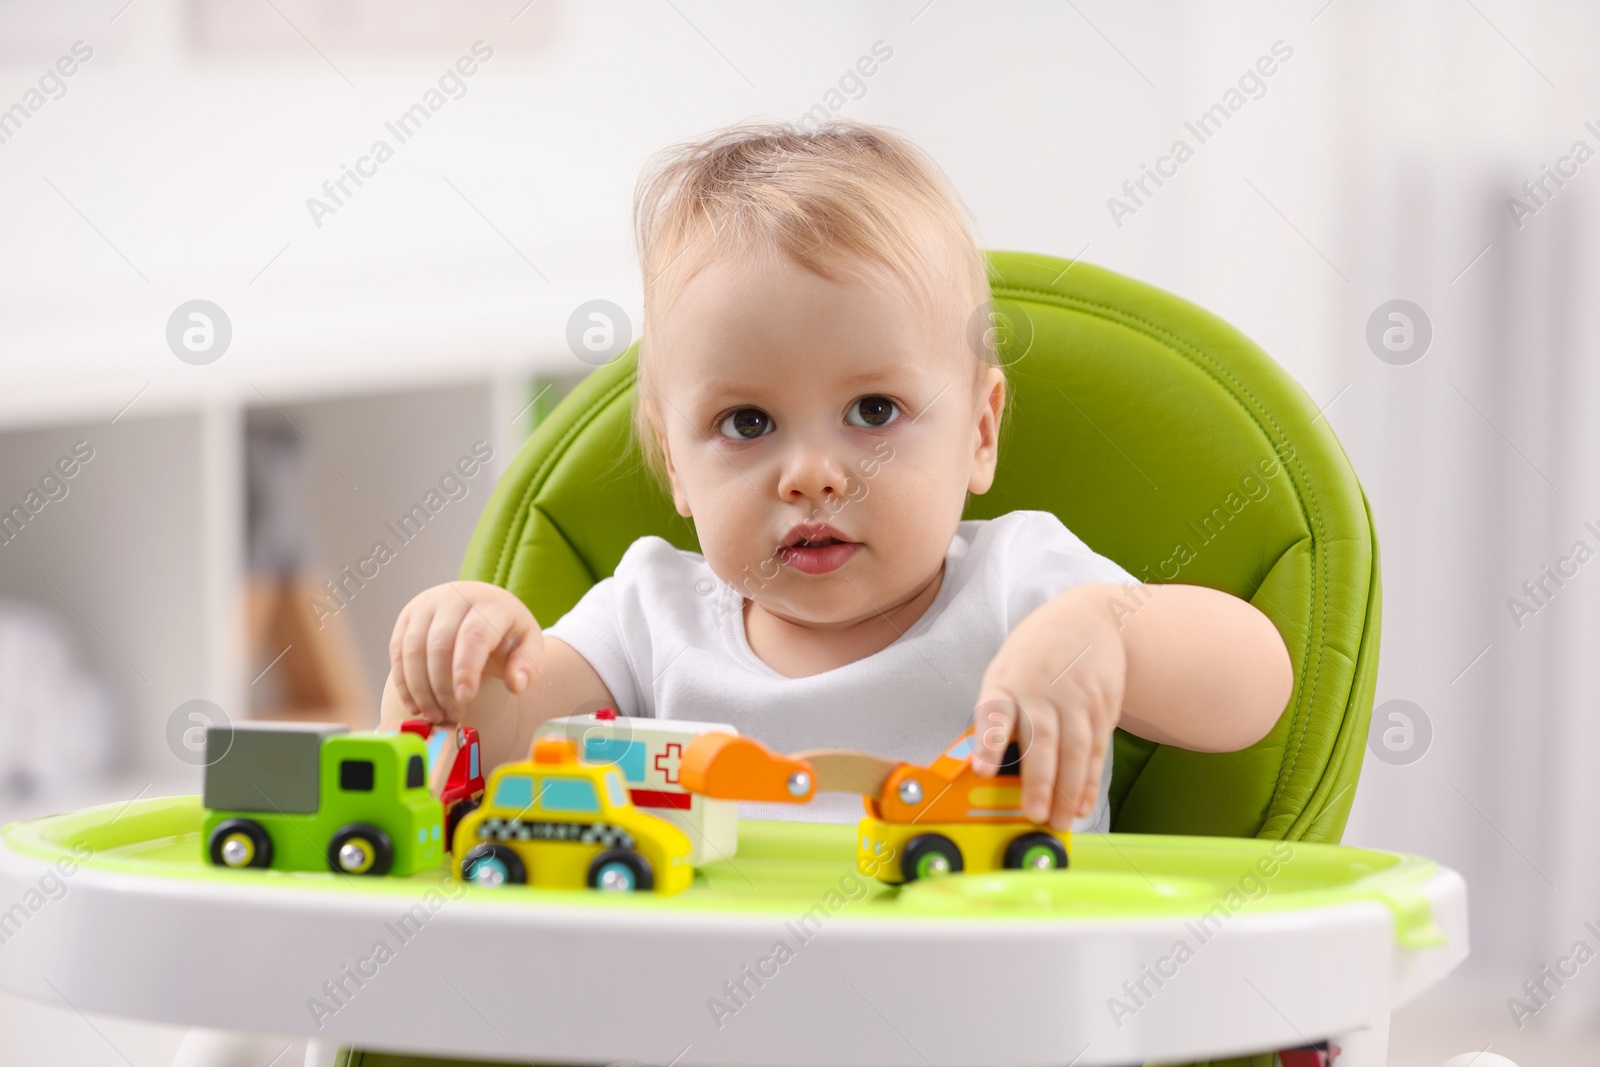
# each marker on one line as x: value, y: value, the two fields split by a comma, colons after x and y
x: 447, y: 635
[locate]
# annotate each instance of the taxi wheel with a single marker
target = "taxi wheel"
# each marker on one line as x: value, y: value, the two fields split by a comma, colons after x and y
x: 1036, y: 852
x: 493, y: 865
x: 620, y: 870
x: 360, y: 848
x: 240, y: 843
x: 928, y: 856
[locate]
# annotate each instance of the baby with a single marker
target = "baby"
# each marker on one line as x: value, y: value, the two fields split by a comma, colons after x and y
x: 808, y: 391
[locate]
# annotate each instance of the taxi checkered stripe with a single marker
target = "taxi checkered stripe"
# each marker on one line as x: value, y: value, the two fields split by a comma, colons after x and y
x: 583, y: 833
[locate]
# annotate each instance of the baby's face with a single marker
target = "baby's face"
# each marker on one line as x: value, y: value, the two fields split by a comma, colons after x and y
x: 822, y: 434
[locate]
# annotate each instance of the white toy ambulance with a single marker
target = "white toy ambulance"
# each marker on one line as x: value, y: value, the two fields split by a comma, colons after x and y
x: 647, y: 752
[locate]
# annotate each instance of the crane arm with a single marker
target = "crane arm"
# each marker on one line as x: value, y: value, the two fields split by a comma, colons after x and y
x: 731, y: 767
x: 843, y: 770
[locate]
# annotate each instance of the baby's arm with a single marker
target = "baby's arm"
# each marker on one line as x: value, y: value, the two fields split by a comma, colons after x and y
x: 1189, y: 666
x: 471, y: 653
x: 1207, y: 671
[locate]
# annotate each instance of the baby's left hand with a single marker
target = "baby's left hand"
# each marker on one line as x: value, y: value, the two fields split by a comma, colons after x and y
x: 1057, y: 685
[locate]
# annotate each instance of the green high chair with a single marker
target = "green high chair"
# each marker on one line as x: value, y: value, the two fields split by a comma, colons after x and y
x: 1160, y: 435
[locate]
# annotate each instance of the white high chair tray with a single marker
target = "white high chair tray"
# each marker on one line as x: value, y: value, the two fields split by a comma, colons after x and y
x: 1146, y: 948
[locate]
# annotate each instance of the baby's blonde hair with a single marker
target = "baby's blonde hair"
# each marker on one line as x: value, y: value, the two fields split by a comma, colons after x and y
x: 844, y: 192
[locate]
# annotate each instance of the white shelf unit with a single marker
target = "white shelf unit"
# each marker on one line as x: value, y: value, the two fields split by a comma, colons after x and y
x: 144, y: 558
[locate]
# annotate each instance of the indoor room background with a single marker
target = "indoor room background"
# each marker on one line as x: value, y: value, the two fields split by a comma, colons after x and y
x: 1399, y: 202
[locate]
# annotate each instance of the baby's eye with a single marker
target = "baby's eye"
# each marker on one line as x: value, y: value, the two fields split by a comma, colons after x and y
x: 872, y: 412
x: 746, y: 424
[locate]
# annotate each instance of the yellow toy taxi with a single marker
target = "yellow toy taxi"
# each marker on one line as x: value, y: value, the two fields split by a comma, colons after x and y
x: 557, y: 821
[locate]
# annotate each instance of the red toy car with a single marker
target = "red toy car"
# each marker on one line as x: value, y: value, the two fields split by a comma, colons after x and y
x: 1319, y: 1055
x: 463, y: 788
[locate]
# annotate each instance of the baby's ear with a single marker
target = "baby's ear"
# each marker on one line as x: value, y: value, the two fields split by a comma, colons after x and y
x: 986, y: 429
x: 679, y: 500
x: 649, y: 423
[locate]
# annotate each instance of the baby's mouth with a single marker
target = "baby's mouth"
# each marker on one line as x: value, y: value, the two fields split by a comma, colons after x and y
x: 816, y: 549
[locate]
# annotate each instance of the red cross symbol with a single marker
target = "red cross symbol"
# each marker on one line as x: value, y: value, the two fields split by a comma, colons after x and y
x: 670, y: 753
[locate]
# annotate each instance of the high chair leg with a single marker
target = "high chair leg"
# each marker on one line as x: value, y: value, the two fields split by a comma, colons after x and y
x: 226, y: 1048
x: 321, y: 1053
x: 1367, y: 1046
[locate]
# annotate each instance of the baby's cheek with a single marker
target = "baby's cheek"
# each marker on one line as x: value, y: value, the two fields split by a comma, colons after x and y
x: 737, y: 554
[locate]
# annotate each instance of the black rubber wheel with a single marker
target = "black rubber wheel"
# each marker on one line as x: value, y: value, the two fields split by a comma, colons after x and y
x: 500, y: 866
x: 620, y: 869
x: 1025, y: 851
x: 253, y: 844
x: 371, y: 850
x: 929, y: 855
x: 452, y: 818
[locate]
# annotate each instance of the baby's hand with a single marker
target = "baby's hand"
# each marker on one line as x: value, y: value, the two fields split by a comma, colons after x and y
x: 1057, y: 685
x: 448, y: 634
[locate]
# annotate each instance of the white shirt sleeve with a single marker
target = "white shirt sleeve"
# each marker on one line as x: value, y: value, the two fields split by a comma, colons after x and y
x: 594, y: 630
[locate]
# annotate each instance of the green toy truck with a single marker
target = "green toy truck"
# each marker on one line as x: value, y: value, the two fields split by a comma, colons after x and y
x: 313, y: 796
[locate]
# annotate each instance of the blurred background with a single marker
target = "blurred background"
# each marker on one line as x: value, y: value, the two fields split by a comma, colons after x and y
x: 225, y: 380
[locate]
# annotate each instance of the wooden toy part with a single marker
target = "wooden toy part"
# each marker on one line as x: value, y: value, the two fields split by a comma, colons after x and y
x: 843, y: 770
x: 730, y: 767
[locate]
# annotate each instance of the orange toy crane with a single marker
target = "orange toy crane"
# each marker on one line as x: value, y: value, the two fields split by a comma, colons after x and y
x: 919, y: 822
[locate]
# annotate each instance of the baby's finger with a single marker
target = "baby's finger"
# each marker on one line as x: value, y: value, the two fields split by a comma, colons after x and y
x: 520, y: 659
x: 1040, y: 763
x: 442, y: 633
x: 994, y: 721
x: 1091, y: 785
x: 484, y: 629
x: 397, y: 663
x: 414, y: 664
x: 519, y: 656
x: 1073, y: 749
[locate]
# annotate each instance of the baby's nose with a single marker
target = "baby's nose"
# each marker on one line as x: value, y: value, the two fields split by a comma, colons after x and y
x: 813, y: 475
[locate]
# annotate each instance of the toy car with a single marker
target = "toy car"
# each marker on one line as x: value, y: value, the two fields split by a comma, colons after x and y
x: 649, y: 753
x: 314, y: 796
x: 944, y: 818
x: 558, y: 821
x: 919, y: 822
x: 462, y: 789
x: 1321, y: 1054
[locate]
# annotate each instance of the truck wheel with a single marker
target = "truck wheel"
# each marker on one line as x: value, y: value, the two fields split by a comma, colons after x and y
x: 360, y: 848
x: 928, y: 856
x: 1036, y: 852
x: 493, y: 865
x: 620, y: 870
x: 452, y: 818
x: 240, y: 843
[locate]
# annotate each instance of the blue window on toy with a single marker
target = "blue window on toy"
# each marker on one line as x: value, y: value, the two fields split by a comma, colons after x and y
x: 569, y: 794
x: 472, y: 761
x: 616, y: 792
x: 628, y: 755
x: 514, y: 791
x: 961, y: 749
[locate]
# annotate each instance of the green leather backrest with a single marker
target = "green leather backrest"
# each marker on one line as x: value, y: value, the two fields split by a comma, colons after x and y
x: 1155, y: 431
